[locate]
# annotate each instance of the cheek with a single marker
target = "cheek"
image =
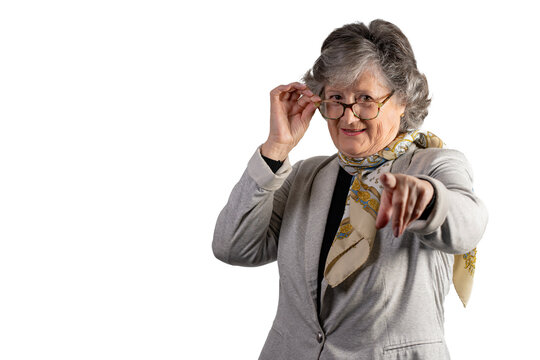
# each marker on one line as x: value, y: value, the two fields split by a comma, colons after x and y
x: 396, y: 115
x: 383, y: 132
x: 380, y: 131
x: 332, y: 126
x: 375, y: 128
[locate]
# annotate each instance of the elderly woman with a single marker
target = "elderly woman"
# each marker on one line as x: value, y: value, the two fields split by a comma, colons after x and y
x: 368, y: 240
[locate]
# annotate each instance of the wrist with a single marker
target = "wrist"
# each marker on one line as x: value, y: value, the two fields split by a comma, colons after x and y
x: 277, y: 152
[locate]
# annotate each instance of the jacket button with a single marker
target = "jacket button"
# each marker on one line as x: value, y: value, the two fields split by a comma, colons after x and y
x: 319, y: 337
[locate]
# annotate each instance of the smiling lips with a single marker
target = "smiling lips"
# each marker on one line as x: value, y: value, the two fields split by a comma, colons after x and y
x: 352, y: 132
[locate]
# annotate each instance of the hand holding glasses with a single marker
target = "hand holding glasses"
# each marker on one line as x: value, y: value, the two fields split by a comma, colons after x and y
x: 291, y: 109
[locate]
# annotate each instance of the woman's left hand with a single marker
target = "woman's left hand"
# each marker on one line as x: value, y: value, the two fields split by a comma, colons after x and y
x: 403, y: 200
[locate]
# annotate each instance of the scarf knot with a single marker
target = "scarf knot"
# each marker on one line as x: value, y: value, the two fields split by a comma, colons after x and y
x: 392, y: 151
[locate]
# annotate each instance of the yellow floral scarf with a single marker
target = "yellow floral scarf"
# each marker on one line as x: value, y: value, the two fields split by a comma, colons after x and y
x: 354, y: 239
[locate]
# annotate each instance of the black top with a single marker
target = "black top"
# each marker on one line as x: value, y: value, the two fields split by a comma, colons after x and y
x: 335, y: 215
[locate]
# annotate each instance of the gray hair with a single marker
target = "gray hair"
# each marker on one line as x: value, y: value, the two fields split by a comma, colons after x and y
x: 354, y: 48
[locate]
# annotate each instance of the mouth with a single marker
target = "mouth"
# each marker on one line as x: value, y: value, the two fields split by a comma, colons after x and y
x: 352, y: 132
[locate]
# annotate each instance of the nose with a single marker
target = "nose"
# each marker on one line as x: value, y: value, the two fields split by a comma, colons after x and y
x: 348, y: 117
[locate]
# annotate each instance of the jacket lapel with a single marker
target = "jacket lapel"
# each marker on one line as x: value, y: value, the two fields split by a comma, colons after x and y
x: 321, y: 193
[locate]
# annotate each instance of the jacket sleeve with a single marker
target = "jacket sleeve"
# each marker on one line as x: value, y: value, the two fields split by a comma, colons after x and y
x: 458, y: 218
x: 247, y: 229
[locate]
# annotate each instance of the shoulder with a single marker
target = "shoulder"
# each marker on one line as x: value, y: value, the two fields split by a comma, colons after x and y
x: 307, y: 169
x: 317, y: 161
x: 432, y: 157
x: 437, y: 163
x: 425, y: 161
x: 314, y: 164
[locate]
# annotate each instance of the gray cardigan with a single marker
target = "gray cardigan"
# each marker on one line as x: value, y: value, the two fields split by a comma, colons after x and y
x: 390, y: 309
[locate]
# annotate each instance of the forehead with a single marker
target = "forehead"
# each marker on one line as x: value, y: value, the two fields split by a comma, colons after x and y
x: 368, y: 81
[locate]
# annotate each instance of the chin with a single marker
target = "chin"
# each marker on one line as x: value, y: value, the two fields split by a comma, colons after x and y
x: 355, y: 150
x: 355, y: 154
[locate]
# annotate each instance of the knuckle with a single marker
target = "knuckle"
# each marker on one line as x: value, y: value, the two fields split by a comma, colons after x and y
x: 399, y: 202
x: 406, y: 214
x: 401, y: 184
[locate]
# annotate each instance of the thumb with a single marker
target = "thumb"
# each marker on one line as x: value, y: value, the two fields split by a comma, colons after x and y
x: 384, y: 214
x: 385, y: 210
x: 309, y: 111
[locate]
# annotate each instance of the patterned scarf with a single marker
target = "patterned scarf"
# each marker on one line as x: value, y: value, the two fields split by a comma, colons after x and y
x: 354, y: 239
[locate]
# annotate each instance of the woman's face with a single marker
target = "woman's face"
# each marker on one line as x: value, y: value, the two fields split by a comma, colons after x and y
x: 362, y: 138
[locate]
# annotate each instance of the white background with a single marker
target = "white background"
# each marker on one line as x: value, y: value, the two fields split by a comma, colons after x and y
x: 125, y: 125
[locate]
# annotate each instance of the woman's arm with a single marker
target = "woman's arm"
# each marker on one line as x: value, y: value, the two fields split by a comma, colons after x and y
x: 247, y: 229
x: 458, y: 218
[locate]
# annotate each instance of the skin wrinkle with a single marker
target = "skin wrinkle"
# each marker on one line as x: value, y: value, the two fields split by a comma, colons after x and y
x: 379, y: 131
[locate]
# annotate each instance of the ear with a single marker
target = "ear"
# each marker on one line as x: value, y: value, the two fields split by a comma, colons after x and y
x: 402, y: 106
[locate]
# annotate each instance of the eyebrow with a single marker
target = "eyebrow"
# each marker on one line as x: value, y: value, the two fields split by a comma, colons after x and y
x: 355, y: 92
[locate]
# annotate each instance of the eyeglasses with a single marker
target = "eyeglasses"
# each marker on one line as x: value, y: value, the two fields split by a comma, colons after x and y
x: 364, y: 110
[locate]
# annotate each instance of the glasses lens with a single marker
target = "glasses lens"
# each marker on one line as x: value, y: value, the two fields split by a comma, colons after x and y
x: 366, y: 110
x: 331, y: 110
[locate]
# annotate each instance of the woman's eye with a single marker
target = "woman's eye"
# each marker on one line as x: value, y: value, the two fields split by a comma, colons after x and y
x: 364, y: 98
x: 335, y: 97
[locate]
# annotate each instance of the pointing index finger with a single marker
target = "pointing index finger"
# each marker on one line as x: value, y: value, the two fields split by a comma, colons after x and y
x: 388, y: 180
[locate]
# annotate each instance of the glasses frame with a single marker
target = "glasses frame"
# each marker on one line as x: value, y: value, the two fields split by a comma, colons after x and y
x: 350, y: 106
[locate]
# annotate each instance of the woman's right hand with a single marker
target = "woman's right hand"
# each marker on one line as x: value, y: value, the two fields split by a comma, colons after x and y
x: 291, y: 109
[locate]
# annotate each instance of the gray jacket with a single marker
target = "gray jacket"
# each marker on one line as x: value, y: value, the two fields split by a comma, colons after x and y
x: 390, y: 309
